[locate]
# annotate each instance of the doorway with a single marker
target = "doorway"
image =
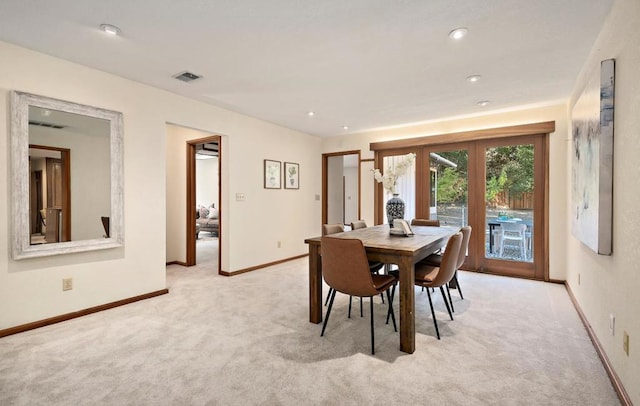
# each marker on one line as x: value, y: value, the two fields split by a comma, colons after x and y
x: 341, y: 187
x: 204, y: 211
x: 494, y: 180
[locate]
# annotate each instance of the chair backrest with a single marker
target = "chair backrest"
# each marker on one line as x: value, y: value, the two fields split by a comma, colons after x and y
x: 345, y: 266
x: 466, y: 235
x: 332, y: 229
x: 425, y: 222
x: 358, y: 224
x: 448, y: 265
x: 513, y: 228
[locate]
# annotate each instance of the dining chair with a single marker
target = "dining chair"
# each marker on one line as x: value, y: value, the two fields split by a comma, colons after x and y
x: 436, y: 260
x: 513, y: 232
x: 346, y: 269
x: 429, y: 276
x: 374, y: 266
x: 358, y: 224
x: 328, y: 229
x: 425, y: 222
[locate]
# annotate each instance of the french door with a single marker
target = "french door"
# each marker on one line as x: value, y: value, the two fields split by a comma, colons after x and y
x: 497, y: 187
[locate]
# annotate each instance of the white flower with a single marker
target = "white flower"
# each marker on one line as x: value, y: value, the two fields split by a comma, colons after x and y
x: 391, y: 175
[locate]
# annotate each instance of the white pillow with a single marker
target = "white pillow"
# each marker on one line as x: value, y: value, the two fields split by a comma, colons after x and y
x: 213, y: 214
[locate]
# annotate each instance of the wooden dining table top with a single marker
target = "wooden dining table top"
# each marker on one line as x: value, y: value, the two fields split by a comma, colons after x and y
x: 379, y: 239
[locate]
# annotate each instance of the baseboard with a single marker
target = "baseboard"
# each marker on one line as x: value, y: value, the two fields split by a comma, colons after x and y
x: 79, y: 313
x: 615, y: 380
x: 253, y: 268
x: 176, y: 263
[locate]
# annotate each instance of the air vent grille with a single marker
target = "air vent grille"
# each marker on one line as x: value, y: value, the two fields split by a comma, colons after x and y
x: 43, y: 124
x: 187, y: 76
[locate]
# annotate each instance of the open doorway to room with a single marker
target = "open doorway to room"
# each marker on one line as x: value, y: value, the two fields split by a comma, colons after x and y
x: 203, y: 201
x: 341, y: 187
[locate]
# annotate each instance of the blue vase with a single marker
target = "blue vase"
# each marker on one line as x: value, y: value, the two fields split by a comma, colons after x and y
x: 395, y: 209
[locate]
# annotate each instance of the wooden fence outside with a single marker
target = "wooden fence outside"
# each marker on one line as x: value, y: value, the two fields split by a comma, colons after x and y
x: 522, y: 200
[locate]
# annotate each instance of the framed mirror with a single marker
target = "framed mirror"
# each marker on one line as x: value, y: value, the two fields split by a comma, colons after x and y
x: 67, y: 177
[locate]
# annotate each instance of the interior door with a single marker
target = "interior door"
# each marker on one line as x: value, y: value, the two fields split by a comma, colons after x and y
x: 341, y: 187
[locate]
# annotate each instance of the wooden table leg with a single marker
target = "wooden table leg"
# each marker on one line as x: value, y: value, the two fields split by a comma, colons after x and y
x: 407, y: 306
x: 315, y: 284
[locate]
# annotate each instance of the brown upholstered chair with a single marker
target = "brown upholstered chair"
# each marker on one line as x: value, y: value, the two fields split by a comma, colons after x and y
x: 436, y: 259
x: 328, y: 229
x: 346, y: 269
x: 358, y: 224
x: 332, y: 229
x: 374, y: 267
x: 425, y: 222
x: 429, y: 276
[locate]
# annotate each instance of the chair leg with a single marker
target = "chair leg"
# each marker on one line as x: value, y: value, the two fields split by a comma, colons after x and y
x: 361, y: 315
x: 382, y: 296
x: 446, y: 302
x: 349, y: 314
x: 393, y: 293
x: 450, y: 301
x: 390, y: 312
x: 433, y: 314
x: 326, y: 319
x: 328, y: 296
x: 373, y: 348
x: 455, y: 277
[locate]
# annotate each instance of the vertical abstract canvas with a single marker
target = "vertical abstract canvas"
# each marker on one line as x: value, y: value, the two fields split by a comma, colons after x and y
x: 592, y: 164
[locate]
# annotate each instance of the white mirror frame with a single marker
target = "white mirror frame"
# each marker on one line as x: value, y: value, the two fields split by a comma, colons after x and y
x: 22, y: 247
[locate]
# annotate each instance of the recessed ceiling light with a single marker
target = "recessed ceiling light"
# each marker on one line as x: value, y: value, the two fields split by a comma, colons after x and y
x: 110, y: 29
x: 473, y: 78
x: 311, y: 113
x: 458, y: 33
x: 483, y: 103
x: 345, y: 127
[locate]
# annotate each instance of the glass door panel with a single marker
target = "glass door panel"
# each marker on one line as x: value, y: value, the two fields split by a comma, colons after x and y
x: 449, y: 187
x: 405, y: 183
x: 509, y: 203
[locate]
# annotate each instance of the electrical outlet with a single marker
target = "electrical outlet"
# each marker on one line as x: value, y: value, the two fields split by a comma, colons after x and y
x: 625, y: 343
x: 67, y: 284
x: 578, y: 279
x: 279, y: 244
x: 240, y: 197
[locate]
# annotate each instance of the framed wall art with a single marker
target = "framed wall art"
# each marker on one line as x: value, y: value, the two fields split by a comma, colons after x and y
x: 272, y: 174
x: 291, y: 175
x: 592, y: 161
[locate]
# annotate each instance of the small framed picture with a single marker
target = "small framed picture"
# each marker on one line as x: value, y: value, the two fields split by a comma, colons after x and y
x: 291, y: 175
x: 272, y: 174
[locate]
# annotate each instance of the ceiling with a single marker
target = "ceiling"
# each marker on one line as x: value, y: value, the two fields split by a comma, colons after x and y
x: 364, y: 64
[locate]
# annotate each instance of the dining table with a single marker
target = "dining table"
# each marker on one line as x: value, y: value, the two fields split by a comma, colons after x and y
x: 382, y: 246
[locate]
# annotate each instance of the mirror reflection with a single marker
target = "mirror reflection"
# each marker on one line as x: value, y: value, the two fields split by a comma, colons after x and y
x: 67, y: 189
x: 69, y: 176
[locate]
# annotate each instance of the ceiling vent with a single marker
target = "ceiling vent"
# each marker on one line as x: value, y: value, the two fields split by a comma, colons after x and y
x: 43, y: 124
x: 186, y: 76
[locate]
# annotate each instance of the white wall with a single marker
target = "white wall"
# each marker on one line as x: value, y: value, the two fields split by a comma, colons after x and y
x: 31, y: 289
x: 207, y: 182
x: 605, y: 285
x: 558, y: 177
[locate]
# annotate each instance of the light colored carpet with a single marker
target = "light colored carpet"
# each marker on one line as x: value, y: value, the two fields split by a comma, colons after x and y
x: 246, y: 340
